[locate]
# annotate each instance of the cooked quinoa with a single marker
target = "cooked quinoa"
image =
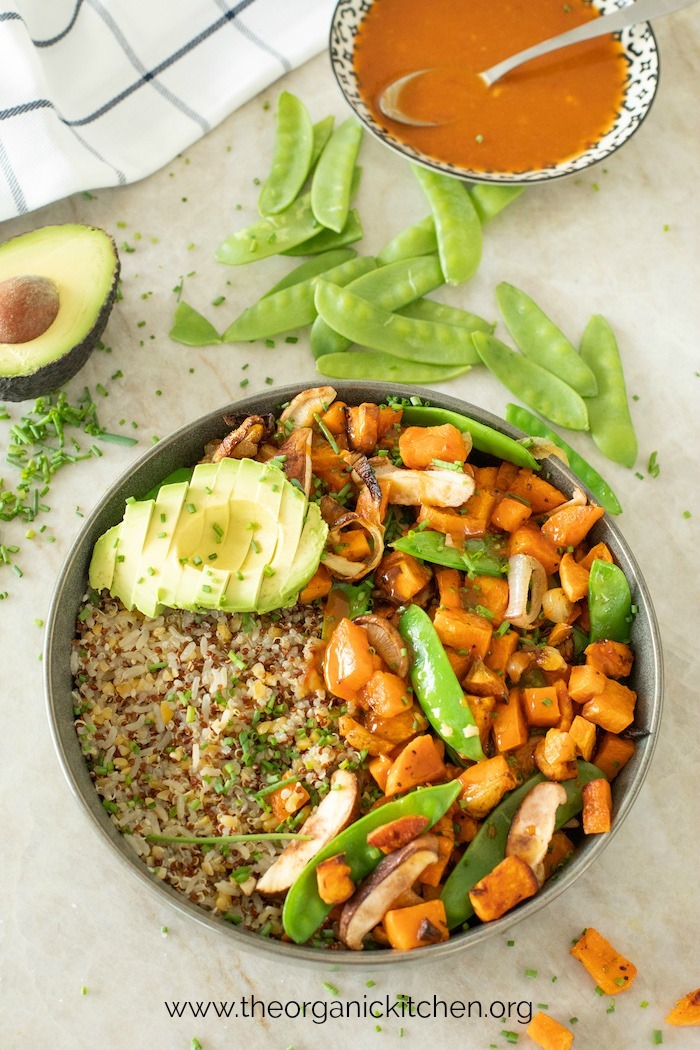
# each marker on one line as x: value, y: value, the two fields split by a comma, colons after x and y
x: 184, y: 719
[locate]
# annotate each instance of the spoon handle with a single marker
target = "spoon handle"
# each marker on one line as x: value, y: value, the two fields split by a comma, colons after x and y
x: 640, y: 11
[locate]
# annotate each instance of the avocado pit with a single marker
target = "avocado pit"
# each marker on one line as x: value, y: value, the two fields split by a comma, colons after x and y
x: 28, y: 307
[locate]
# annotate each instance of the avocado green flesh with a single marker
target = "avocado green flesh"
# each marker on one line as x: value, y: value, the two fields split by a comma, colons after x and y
x: 239, y: 537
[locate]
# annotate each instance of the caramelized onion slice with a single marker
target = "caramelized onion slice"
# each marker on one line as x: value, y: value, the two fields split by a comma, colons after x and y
x: 527, y: 582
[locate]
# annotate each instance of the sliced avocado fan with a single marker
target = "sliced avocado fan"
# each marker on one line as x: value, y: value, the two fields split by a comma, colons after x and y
x: 238, y: 537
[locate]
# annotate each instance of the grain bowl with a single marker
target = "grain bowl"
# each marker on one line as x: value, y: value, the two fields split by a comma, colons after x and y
x: 212, y: 720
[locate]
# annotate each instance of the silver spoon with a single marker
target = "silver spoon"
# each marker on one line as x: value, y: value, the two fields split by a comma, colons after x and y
x: 640, y: 11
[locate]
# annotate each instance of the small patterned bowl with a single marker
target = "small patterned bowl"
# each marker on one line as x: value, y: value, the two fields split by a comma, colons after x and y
x: 641, y: 55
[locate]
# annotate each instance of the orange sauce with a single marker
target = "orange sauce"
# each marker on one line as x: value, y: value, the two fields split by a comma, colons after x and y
x: 545, y: 112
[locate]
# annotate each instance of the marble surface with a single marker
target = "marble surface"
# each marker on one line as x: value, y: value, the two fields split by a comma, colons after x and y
x: 83, y: 957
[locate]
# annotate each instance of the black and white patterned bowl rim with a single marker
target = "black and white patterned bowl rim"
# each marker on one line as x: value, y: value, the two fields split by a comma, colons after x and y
x: 641, y: 54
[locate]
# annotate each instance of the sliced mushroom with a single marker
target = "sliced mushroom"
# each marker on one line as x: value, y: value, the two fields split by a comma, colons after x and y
x: 392, y: 876
x: 297, y: 452
x: 303, y: 408
x: 387, y: 642
x: 339, y: 566
x: 333, y: 813
x: 243, y: 442
x: 363, y: 473
x: 413, y: 488
x: 533, y: 826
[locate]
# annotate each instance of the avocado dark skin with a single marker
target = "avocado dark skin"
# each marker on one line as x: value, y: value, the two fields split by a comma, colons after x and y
x: 57, y: 354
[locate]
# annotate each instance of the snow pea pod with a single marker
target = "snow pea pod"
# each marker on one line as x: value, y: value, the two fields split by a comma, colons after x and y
x: 487, y: 848
x: 490, y: 199
x: 484, y: 438
x: 541, y: 341
x: 325, y: 240
x: 291, y: 307
x: 372, y: 364
x: 312, y: 268
x: 431, y: 310
x: 304, y: 911
x: 192, y: 328
x: 322, y: 131
x: 332, y: 179
x: 520, y: 417
x: 437, y: 687
x: 369, y: 325
x: 418, y: 239
x: 291, y: 155
x: 388, y: 286
x: 538, y: 388
x: 457, y: 225
x: 609, y: 603
x: 608, y: 412
x: 477, y: 557
x: 270, y: 235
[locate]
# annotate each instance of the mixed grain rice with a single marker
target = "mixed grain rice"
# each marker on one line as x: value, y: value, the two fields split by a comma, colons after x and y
x: 183, y: 718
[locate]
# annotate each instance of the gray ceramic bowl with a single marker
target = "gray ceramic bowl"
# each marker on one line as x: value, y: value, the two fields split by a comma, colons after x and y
x: 641, y: 82
x: 184, y: 448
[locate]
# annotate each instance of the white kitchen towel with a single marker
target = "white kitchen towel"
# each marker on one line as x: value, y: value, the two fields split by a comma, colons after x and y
x: 103, y: 92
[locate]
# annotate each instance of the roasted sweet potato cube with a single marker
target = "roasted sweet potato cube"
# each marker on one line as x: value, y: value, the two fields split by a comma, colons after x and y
x: 399, y: 728
x: 347, y: 661
x: 570, y: 525
x: 597, y: 807
x: 509, y: 725
x: 379, y: 767
x: 318, y: 586
x: 555, y: 756
x: 686, y: 1011
x: 400, y: 577
x: 449, y: 582
x: 288, y: 800
x: 488, y: 596
x: 529, y: 539
x: 613, y: 659
x: 558, y: 852
x: 484, y: 784
x: 548, y: 1033
x: 361, y: 739
x: 506, y: 474
x: 465, y: 826
x: 417, y: 925
x: 566, y: 707
x: 540, y: 495
x: 613, y: 709
x: 541, y: 706
x: 510, y: 513
x: 583, y: 733
x: 395, y: 834
x: 585, y: 682
x: 462, y: 629
x: 573, y: 577
x: 385, y: 695
x: 613, y: 753
x: 444, y: 831
x: 482, y: 708
x: 600, y: 551
x: 611, y: 972
x: 500, y: 651
x: 333, y: 880
x: 510, y: 882
x: 418, y: 763
x: 460, y: 662
x: 421, y: 446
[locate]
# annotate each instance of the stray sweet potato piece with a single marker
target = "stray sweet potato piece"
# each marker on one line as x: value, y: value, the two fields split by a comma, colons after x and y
x: 385, y: 695
x: 416, y: 926
x: 583, y: 734
x: 501, y: 649
x: 401, y: 727
x: 548, y: 1033
x: 462, y: 629
x: 489, y: 593
x: 573, y: 577
x: 613, y: 709
x: 597, y: 807
x: 400, y: 577
x: 484, y: 784
x: 379, y: 767
x: 542, y: 706
x: 449, y: 582
x: 444, y: 831
x: 418, y: 763
x: 361, y: 739
x: 686, y: 1011
x: 479, y: 509
x: 421, y: 446
x: 510, y: 882
x: 333, y: 880
x: 558, y: 852
x: 318, y: 586
x: 613, y: 753
x: 600, y: 551
x: 555, y: 756
x: 529, y: 539
x: 509, y: 725
x: 610, y: 970
x: 613, y: 659
x: 570, y: 525
x: 460, y: 662
x: 347, y: 661
x: 585, y: 682
x: 286, y: 801
x: 395, y: 834
x: 506, y: 473
x: 510, y: 513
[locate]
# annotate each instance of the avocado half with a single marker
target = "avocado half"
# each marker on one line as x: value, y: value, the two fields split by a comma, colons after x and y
x: 83, y: 265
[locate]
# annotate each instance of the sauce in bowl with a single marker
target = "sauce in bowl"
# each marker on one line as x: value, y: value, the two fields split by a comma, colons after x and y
x: 543, y: 113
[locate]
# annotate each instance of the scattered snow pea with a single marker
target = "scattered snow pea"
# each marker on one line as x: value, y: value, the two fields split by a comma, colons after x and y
x: 270, y: 235
x: 291, y: 307
x: 418, y: 239
x: 312, y: 267
x: 538, y: 388
x: 304, y: 911
x: 372, y: 364
x: 476, y: 557
x: 325, y: 240
x: 291, y: 157
x: 609, y: 414
x: 332, y: 179
x: 541, y: 341
x: 369, y: 325
x: 437, y: 687
x: 191, y: 328
x: 490, y: 199
x: 322, y: 131
x: 487, y: 848
x: 457, y: 225
x: 520, y: 417
x: 484, y: 438
x: 431, y: 310
x: 388, y: 286
x: 609, y: 603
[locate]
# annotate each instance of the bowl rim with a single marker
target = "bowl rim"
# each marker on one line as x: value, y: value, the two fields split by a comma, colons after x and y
x: 75, y: 768
x: 530, y: 178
